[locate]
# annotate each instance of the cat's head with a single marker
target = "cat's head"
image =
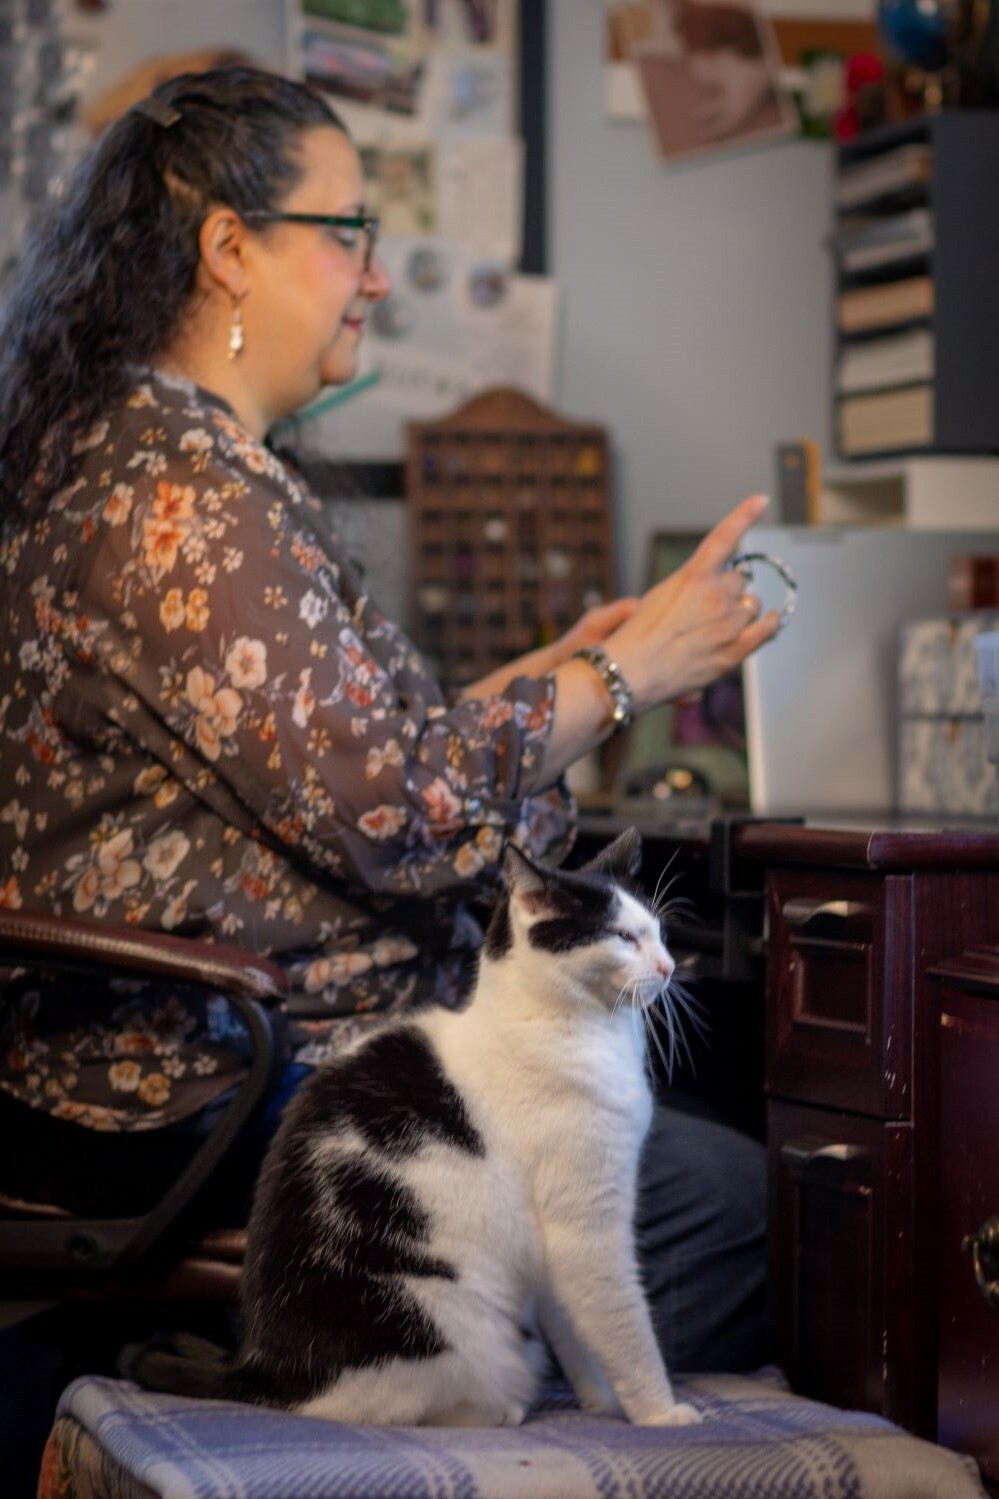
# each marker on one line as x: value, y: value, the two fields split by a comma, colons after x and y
x: 585, y: 930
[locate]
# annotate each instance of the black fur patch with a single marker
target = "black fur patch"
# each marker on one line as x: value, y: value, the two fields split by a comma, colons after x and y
x: 581, y: 907
x: 565, y: 933
x: 336, y: 1232
x: 375, y: 1208
x: 499, y: 934
x: 395, y: 1093
x: 340, y: 1316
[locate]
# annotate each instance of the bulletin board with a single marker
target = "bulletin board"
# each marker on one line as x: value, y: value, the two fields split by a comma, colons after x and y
x: 445, y: 101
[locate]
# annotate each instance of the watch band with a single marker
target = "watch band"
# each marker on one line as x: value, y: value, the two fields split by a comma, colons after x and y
x: 621, y: 694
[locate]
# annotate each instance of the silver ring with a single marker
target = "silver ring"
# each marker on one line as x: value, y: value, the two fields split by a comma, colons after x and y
x: 743, y: 564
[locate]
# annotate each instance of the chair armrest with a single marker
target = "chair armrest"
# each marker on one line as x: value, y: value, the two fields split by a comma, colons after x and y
x: 27, y: 937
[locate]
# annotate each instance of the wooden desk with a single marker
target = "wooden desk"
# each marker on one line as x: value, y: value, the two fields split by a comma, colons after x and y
x: 882, y: 1096
x: 882, y: 1081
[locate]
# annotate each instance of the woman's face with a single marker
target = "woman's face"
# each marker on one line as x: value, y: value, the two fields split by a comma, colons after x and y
x: 309, y: 293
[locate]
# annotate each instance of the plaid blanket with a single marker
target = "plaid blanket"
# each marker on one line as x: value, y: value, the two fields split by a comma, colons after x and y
x: 756, y: 1442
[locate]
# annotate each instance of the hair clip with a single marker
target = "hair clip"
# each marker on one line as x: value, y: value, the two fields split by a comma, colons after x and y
x: 161, y: 114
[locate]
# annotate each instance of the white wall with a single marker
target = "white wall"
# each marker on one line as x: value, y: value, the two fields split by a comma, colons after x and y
x: 696, y: 299
x: 133, y: 30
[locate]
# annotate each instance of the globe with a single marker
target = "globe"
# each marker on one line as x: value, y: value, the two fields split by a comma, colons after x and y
x: 959, y: 38
x: 920, y: 32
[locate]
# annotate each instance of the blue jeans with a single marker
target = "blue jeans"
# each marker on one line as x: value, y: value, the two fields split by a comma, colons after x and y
x: 701, y: 1225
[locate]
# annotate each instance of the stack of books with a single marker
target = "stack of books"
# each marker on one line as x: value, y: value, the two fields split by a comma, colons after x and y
x: 889, y: 174
x: 886, y: 305
x: 885, y: 358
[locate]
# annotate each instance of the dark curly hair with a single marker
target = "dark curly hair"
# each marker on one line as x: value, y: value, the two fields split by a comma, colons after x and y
x: 105, y: 278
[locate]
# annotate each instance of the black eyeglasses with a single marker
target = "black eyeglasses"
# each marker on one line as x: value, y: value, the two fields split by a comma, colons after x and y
x: 364, y: 222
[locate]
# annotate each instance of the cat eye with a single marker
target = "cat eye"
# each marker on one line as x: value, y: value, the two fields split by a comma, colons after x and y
x: 627, y: 937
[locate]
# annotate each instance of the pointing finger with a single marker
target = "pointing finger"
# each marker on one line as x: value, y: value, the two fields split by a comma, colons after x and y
x: 720, y: 543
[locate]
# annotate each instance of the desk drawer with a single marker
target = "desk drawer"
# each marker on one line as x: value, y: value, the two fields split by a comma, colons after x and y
x: 839, y: 990
x: 842, y: 1261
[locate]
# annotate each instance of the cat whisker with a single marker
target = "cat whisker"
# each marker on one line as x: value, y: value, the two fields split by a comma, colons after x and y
x: 624, y: 989
x: 637, y: 1019
x: 651, y: 1034
x: 665, y: 871
x: 679, y: 903
x: 659, y: 898
x: 666, y: 1014
x: 679, y: 1047
x: 692, y: 1008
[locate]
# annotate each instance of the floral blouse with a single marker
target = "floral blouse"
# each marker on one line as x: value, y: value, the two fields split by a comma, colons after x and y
x: 207, y: 727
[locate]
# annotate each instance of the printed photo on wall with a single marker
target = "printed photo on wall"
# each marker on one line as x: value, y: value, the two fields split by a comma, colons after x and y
x: 378, y: 59
x: 709, y: 74
x: 401, y: 186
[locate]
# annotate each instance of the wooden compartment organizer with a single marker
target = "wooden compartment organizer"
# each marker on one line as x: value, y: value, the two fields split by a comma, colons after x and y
x: 510, y: 531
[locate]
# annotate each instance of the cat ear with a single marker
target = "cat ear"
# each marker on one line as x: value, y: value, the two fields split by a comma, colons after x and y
x: 525, y: 882
x: 622, y: 858
x: 520, y: 875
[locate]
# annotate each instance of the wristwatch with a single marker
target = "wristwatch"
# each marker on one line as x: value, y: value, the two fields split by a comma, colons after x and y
x: 610, y: 673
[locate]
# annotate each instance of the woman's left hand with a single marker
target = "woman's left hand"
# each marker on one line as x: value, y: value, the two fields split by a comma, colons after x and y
x: 592, y: 628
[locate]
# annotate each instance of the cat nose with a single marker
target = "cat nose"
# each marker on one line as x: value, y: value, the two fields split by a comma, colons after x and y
x: 665, y: 967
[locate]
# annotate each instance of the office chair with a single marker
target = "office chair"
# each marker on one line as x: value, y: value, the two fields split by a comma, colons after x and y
x: 47, y: 1250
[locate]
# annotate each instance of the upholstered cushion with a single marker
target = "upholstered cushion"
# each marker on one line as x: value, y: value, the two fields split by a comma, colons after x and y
x: 756, y: 1442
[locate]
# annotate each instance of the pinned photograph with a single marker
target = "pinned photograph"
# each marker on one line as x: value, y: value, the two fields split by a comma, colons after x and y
x: 426, y: 269
x: 709, y: 73
x: 472, y: 23
x: 376, y: 60
x: 401, y: 187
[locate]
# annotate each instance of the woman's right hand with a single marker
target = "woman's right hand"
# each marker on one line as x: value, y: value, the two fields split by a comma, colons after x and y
x: 698, y: 623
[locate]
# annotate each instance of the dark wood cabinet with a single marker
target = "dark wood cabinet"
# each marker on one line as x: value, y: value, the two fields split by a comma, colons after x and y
x: 968, y: 1385
x: 882, y: 1082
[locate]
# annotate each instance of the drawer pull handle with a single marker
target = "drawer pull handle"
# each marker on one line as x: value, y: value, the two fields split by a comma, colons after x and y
x: 984, y: 1248
x: 806, y: 1148
x: 825, y: 917
x: 817, y: 1160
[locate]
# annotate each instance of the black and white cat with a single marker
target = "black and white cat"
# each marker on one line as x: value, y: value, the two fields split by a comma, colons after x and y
x: 461, y: 1179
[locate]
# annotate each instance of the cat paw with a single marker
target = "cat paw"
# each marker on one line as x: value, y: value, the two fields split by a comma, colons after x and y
x: 513, y: 1415
x: 678, y: 1414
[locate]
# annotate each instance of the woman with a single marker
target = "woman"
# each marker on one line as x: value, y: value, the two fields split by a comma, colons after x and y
x: 208, y: 726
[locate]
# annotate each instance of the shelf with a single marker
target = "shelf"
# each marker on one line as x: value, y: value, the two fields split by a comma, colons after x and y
x: 931, y: 269
x: 921, y: 492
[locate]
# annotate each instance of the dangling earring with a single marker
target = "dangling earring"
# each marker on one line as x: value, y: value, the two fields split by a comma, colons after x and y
x: 236, y: 332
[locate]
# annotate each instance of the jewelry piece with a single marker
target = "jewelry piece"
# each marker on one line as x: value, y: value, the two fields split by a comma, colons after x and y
x: 743, y: 564
x: 236, y: 333
x: 621, y: 694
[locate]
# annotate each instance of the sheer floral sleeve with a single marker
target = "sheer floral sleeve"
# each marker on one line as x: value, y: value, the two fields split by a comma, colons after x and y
x: 253, y: 662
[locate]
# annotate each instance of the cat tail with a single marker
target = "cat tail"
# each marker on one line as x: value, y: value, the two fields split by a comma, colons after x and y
x: 183, y: 1364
